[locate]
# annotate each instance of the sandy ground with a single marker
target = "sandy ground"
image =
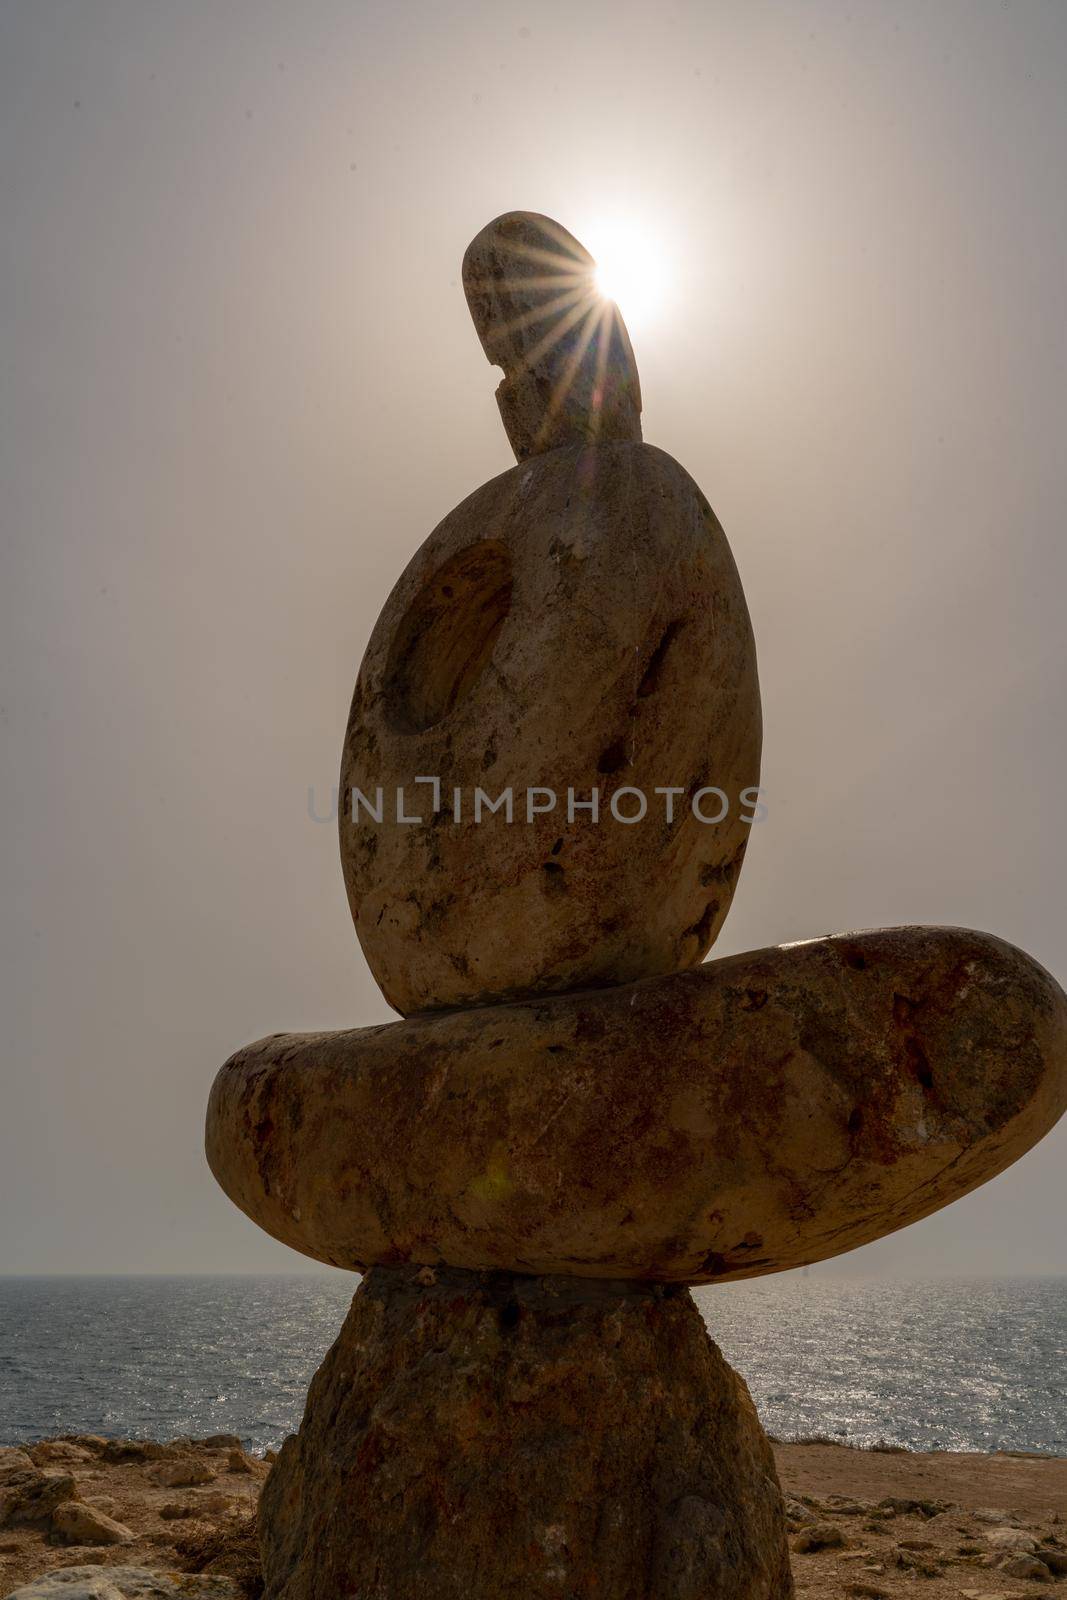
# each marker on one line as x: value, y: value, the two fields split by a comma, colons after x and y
x: 923, y: 1524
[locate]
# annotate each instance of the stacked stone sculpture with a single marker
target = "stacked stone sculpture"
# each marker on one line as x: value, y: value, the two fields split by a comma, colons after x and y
x: 575, y: 1120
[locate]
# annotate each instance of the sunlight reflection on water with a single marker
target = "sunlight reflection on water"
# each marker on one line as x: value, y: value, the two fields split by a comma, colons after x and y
x: 951, y: 1364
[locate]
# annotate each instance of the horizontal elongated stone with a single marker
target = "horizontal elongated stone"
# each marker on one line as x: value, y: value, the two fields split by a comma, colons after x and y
x: 575, y: 628
x: 759, y: 1113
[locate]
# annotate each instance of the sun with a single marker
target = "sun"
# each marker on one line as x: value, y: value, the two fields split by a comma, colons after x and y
x: 631, y: 271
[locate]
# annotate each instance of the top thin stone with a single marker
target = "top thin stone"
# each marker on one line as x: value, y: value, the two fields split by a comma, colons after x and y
x: 569, y: 371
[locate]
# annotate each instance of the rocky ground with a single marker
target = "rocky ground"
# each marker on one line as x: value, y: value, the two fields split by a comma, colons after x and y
x: 869, y: 1524
x: 80, y: 1501
x: 864, y: 1524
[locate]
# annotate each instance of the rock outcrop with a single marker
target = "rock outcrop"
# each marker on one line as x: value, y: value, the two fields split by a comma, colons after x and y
x: 28, y: 1493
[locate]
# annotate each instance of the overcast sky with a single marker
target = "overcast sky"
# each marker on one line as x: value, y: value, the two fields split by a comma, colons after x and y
x: 239, y: 385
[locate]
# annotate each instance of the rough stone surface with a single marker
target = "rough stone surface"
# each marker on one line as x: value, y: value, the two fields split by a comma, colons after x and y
x: 1014, y: 1539
x: 765, y: 1111
x: 548, y: 636
x: 28, y: 1494
x: 183, y: 1472
x: 124, y: 1583
x: 569, y: 371
x: 1024, y: 1567
x: 59, y: 1453
x: 471, y: 1437
x: 74, y: 1522
x: 102, y: 1502
x: 819, y: 1536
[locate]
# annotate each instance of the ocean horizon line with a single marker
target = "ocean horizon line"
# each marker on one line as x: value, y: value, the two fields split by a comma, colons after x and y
x: 736, y: 1284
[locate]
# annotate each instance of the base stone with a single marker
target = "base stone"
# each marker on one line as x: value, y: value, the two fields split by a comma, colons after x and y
x: 473, y: 1435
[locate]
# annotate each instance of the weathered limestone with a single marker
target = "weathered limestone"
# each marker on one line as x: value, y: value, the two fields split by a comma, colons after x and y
x: 577, y: 624
x: 554, y: 1439
x: 183, y: 1472
x: 29, y: 1494
x: 126, y: 1583
x: 759, y: 1113
x: 75, y: 1522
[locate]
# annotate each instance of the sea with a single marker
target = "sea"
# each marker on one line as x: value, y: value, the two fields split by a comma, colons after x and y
x: 949, y: 1364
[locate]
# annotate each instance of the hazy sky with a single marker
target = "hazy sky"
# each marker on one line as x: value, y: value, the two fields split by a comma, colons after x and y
x: 239, y: 385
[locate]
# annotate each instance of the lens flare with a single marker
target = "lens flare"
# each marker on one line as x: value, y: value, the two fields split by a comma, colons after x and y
x: 631, y: 271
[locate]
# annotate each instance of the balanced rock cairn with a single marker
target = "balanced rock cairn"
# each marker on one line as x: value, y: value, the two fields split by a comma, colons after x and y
x: 575, y: 1120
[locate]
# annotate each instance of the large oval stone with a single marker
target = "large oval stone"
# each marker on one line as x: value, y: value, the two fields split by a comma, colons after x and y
x: 763, y: 1112
x: 577, y: 624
